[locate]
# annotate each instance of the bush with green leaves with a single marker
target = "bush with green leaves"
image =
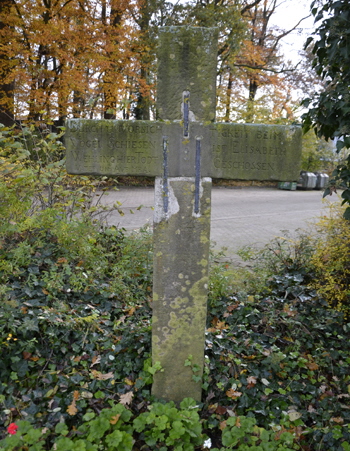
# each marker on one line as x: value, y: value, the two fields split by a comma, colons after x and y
x: 33, y: 179
x: 328, y: 111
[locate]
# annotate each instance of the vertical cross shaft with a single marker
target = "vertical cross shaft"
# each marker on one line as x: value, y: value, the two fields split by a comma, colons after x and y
x: 182, y: 221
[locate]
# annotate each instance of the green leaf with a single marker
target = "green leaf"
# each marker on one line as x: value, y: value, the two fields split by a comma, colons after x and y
x: 347, y: 214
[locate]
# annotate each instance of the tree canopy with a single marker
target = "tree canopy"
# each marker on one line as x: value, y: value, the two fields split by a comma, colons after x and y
x: 329, y: 110
x: 96, y: 58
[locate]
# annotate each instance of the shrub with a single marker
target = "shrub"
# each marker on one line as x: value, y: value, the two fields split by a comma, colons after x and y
x: 33, y: 179
x: 331, y: 260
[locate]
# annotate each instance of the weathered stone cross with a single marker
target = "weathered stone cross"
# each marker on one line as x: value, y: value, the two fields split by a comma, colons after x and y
x: 183, y: 151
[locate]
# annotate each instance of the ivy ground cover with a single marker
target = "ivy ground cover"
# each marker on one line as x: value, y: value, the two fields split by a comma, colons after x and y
x: 75, y: 368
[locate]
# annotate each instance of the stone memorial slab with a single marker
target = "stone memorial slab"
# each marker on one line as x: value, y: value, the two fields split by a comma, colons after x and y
x: 229, y: 151
x: 183, y: 149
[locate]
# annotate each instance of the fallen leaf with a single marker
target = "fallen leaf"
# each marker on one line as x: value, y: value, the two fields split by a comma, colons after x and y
x: 233, y: 394
x: 95, y: 360
x: 294, y: 415
x: 26, y: 355
x: 102, y: 377
x: 222, y: 425
x: 72, y: 409
x: 126, y: 398
x: 131, y: 311
x: 252, y: 380
x: 129, y: 382
x: 220, y: 410
x: 114, y: 420
x: 338, y: 420
x: 86, y: 395
x: 312, y: 366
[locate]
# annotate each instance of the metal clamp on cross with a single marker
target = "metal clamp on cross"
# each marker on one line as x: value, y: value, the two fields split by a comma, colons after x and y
x: 183, y: 151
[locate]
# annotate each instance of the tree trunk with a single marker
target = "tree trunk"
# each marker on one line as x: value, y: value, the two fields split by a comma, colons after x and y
x: 7, y: 86
x: 228, y: 96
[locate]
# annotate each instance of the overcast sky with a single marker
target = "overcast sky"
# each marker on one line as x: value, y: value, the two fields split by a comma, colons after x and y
x: 287, y: 15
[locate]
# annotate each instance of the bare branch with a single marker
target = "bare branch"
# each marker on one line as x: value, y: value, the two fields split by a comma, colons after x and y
x: 250, y: 6
x: 267, y: 69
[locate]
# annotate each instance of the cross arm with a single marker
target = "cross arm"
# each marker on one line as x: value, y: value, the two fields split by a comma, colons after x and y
x: 153, y: 148
x: 255, y: 152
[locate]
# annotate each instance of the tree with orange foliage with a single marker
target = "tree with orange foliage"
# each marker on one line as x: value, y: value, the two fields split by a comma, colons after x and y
x: 67, y: 57
x: 258, y: 64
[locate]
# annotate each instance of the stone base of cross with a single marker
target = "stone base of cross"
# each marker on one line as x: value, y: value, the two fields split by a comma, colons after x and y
x: 183, y: 151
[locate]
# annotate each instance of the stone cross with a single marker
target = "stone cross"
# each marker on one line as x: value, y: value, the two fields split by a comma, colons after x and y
x: 183, y: 150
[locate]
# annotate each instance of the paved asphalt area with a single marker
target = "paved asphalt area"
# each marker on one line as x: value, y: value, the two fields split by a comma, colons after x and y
x: 240, y: 216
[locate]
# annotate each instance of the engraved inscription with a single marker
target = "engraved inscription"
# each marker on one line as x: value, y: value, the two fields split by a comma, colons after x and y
x: 236, y: 147
x: 113, y: 147
x: 249, y: 152
x: 229, y: 164
x: 103, y: 127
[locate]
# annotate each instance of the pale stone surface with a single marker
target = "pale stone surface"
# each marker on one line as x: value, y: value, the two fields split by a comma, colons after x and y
x: 229, y: 151
x: 180, y: 285
x: 255, y: 152
x: 113, y: 147
x: 186, y: 91
x: 187, y: 59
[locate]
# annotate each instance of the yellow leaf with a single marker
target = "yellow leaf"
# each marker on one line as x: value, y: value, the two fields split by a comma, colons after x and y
x: 222, y: 425
x: 128, y: 381
x: 131, y: 311
x: 72, y: 409
x: 114, y: 420
x: 312, y: 366
x: 126, y: 398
